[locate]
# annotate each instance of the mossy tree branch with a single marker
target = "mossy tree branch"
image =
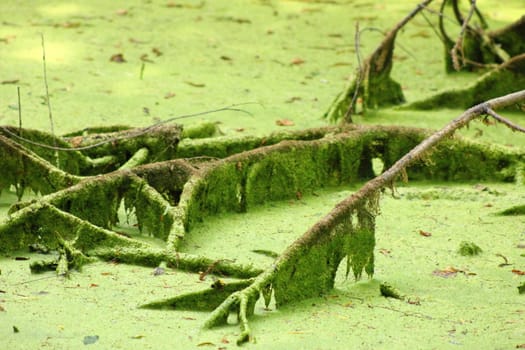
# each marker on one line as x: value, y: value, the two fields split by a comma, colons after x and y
x: 335, y: 230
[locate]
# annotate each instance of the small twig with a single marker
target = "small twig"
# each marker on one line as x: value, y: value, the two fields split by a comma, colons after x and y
x: 348, y: 115
x: 19, y: 111
x: 48, y: 102
x: 458, y: 46
x: 142, y: 66
x: 499, y: 118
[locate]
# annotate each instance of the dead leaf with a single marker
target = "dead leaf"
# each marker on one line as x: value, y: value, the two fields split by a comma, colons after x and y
x: 69, y: 25
x: 425, y: 233
x: 447, y: 272
x: 224, y: 340
x: 118, y: 58
x: 297, y: 61
x: 226, y: 58
x: 121, y: 12
x: 239, y: 129
x: 169, y: 95
x: 156, y: 51
x: 520, y: 346
x: 206, y: 343
x: 284, y: 122
x: 518, y: 272
x: 1, y: 308
x: 76, y: 141
x: 106, y: 273
x: 140, y: 336
x: 385, y: 251
x: 93, y: 285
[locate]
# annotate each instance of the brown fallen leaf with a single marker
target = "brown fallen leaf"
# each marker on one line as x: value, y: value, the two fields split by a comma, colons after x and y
x: 446, y: 272
x: 520, y: 346
x: 118, y: 58
x: 425, y: 233
x: 518, y: 272
x: 284, y: 122
x: 68, y: 24
x: 169, y: 95
x: 297, y: 61
x: 385, y: 251
x: 76, y: 141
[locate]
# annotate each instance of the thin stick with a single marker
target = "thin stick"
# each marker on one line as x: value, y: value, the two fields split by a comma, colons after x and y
x: 19, y: 111
x: 47, y: 88
x: 348, y: 115
x: 499, y: 118
x: 458, y: 46
x: 142, y: 66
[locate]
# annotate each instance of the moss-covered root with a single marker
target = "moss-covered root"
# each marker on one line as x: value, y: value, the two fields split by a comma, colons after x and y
x: 497, y: 82
x: 242, y: 302
x: 149, y: 256
x: 42, y: 223
x: 68, y: 258
x: 138, y: 158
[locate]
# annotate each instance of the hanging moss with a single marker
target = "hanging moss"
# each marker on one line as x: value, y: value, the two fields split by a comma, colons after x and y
x: 24, y: 169
x: 308, y: 270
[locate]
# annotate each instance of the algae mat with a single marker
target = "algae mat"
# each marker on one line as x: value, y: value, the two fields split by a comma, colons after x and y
x: 183, y: 57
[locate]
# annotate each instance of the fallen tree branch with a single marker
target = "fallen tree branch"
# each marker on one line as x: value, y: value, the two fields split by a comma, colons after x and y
x: 347, y: 220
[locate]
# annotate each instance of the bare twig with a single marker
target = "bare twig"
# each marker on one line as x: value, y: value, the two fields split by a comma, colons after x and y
x: 503, y: 120
x: 458, y: 46
x: 19, y: 111
x: 48, y: 102
x: 348, y: 115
